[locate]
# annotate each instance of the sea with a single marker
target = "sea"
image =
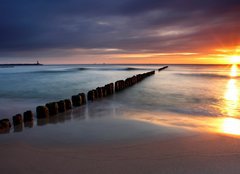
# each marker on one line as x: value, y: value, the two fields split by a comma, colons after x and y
x: 173, y: 101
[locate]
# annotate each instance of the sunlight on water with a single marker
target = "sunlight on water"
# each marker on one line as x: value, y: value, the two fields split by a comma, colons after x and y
x: 234, y: 70
x: 231, y: 125
x: 231, y: 94
x: 232, y: 91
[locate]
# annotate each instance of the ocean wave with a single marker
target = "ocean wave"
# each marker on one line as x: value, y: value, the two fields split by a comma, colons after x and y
x: 115, y: 69
x: 77, y: 69
x: 206, y: 75
x: 51, y: 71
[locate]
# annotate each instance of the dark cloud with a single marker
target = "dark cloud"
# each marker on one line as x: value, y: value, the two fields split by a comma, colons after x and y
x: 130, y: 25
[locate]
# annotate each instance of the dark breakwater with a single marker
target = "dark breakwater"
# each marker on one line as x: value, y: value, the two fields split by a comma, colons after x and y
x: 54, y: 108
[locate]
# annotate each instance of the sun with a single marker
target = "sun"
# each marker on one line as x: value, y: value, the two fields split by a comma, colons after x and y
x: 231, y: 126
x: 235, y: 59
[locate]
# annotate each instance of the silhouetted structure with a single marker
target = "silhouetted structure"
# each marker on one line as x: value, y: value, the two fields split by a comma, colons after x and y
x: 17, y: 119
x: 53, y: 108
x: 160, y: 69
x: 42, y: 112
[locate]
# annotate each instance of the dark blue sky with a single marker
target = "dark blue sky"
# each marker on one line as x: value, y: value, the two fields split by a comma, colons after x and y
x: 83, y: 31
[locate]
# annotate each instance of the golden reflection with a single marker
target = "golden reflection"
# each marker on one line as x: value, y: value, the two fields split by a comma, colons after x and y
x: 231, y: 95
x: 234, y: 70
x: 230, y: 126
x: 232, y: 92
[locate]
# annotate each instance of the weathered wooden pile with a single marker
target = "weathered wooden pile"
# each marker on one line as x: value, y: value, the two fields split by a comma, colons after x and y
x: 53, y: 108
x: 160, y: 69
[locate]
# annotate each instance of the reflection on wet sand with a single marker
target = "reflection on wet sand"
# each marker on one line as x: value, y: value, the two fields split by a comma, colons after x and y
x: 222, y: 125
x: 18, y: 128
x: 28, y: 124
x: 89, y: 111
x: 60, y: 118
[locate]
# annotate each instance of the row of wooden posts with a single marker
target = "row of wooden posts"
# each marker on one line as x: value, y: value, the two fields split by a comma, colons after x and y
x: 53, y: 108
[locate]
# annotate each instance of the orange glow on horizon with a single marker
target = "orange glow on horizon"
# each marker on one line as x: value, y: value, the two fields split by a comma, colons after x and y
x: 119, y: 56
x: 219, y: 56
x: 232, y: 54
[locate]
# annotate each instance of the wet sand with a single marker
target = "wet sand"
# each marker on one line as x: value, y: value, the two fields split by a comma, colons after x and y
x: 201, y: 153
x: 116, y: 140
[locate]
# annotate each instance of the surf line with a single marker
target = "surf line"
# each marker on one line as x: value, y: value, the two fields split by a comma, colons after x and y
x: 52, y: 109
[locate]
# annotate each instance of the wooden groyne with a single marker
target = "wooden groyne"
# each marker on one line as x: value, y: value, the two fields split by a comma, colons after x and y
x: 52, y: 109
x: 160, y: 69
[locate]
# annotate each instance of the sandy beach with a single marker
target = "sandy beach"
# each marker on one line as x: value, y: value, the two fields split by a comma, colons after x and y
x: 202, y: 153
x: 122, y: 145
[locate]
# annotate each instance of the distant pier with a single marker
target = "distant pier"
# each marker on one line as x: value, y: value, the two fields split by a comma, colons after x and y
x: 19, y: 64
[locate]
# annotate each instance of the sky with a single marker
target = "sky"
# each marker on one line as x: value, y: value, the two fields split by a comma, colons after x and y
x: 124, y: 31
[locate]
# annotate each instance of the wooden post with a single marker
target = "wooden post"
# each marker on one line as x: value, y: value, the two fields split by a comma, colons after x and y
x: 52, y: 108
x: 42, y: 112
x: 17, y: 119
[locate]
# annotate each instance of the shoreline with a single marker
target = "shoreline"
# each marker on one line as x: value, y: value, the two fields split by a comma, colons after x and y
x: 147, y: 145
x: 141, y: 124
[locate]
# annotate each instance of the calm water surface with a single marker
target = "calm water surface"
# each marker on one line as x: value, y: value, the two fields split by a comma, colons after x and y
x: 179, y: 98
